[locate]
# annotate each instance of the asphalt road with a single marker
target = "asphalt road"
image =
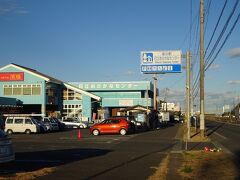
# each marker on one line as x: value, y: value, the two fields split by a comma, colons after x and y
x: 102, y: 157
x: 225, y: 135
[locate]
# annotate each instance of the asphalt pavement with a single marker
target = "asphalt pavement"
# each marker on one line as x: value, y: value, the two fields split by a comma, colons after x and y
x: 102, y: 157
x: 225, y: 135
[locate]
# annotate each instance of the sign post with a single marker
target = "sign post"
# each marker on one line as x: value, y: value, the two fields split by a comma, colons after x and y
x: 160, y: 62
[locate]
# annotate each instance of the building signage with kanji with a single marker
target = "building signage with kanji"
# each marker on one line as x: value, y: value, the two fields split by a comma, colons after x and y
x: 12, y: 76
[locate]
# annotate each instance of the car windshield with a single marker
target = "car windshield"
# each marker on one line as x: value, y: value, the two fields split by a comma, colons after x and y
x: 34, y: 121
x: 46, y: 120
x: 52, y: 121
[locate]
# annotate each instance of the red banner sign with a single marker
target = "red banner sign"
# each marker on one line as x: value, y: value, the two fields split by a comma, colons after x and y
x: 12, y: 76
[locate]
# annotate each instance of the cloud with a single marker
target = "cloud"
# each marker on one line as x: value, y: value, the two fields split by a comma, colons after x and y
x: 214, y: 66
x: 233, y: 53
x: 172, y: 95
x: 213, y: 95
x: 129, y: 73
x: 233, y: 82
x: 22, y: 12
x: 10, y: 6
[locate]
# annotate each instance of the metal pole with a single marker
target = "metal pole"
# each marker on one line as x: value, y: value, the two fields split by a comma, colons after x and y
x: 191, y: 83
x: 202, y: 108
x: 155, y: 92
x: 188, y: 93
x: 147, y: 98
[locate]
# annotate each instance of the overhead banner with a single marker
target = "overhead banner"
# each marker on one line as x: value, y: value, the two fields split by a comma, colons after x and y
x: 12, y: 76
x: 161, y: 62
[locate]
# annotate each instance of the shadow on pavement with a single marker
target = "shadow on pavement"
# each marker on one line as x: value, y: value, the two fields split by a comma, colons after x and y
x: 159, y: 127
x: 32, y: 161
x: 213, y: 128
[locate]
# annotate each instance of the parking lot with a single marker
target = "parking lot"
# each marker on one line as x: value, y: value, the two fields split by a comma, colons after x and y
x: 92, y: 156
x: 36, y: 151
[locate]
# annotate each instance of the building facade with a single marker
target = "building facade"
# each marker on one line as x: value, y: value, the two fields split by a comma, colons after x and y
x: 30, y: 91
x: 38, y: 93
x: 118, y: 95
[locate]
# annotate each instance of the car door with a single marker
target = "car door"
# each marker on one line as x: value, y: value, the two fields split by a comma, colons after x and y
x: 105, y: 126
x: 18, y: 124
x: 114, y: 126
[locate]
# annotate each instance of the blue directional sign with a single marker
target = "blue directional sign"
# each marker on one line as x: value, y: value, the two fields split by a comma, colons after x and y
x: 166, y: 68
x: 161, y: 62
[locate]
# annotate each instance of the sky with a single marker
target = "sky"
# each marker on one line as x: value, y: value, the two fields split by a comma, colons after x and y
x: 101, y: 40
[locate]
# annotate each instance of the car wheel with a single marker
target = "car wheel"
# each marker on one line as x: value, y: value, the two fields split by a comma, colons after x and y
x: 95, y: 132
x: 9, y: 131
x: 123, y: 132
x: 81, y: 126
x: 28, y: 131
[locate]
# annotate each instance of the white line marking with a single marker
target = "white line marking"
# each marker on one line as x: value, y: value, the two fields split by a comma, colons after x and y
x: 220, y: 135
x: 38, y: 160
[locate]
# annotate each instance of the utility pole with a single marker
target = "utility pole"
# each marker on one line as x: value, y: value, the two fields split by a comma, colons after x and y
x: 202, y: 108
x: 147, y: 98
x: 188, y: 99
x: 191, y: 84
x: 155, y: 91
x: 165, y: 98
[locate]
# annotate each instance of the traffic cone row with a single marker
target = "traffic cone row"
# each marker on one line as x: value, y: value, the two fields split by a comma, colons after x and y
x: 79, y: 134
x: 213, y: 149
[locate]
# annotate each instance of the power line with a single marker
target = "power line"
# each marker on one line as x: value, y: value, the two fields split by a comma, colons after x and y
x: 207, y: 14
x: 196, y: 82
x: 222, y: 32
x: 214, y: 31
x: 225, y: 40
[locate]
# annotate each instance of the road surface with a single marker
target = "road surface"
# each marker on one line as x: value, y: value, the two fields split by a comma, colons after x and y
x: 134, y: 156
x: 225, y: 135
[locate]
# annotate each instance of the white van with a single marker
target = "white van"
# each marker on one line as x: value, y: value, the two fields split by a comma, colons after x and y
x: 21, y: 125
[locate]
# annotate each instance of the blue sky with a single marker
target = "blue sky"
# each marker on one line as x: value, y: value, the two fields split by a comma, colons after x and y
x: 101, y: 40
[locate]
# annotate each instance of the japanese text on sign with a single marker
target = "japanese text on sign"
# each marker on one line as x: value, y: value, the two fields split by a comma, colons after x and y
x: 12, y: 76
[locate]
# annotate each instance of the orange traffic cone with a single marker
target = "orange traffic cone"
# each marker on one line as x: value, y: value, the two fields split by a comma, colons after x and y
x: 79, y: 134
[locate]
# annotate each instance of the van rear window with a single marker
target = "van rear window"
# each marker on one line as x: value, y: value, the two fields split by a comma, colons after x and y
x: 28, y: 121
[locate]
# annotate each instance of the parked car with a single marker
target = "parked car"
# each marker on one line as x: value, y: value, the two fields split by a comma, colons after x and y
x: 61, y: 125
x: 111, y: 125
x: 49, y: 122
x: 43, y: 127
x: 6, y: 149
x: 134, y: 124
x: 21, y: 125
x: 54, y: 124
x: 74, y: 123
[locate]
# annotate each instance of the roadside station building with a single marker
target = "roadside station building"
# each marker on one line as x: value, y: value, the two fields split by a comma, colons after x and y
x: 118, y: 95
x: 30, y: 91
x: 41, y: 94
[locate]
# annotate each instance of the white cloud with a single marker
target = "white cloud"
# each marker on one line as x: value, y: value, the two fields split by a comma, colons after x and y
x: 233, y: 53
x: 233, y: 82
x: 10, y: 6
x: 214, y: 66
x: 129, y: 73
x: 22, y: 11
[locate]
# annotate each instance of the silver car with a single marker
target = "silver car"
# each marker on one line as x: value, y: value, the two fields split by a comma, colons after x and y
x: 6, y: 150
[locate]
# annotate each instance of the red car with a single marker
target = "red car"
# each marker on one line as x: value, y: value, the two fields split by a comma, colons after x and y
x: 111, y: 125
